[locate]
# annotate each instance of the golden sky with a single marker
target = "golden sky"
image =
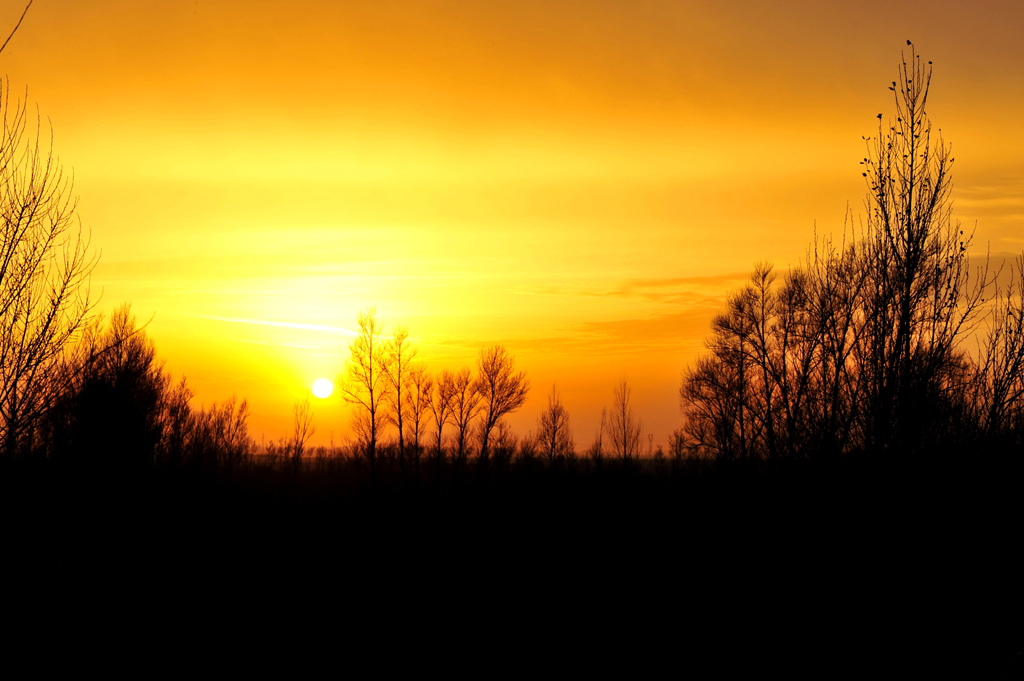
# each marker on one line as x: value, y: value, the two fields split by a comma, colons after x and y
x: 582, y: 181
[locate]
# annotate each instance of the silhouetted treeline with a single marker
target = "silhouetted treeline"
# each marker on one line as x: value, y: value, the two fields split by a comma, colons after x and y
x: 120, y: 408
x: 867, y: 347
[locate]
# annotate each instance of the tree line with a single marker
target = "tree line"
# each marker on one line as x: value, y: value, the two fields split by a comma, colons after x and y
x: 884, y: 341
x: 862, y: 348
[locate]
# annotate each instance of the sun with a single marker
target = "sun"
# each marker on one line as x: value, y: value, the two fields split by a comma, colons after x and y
x: 322, y: 388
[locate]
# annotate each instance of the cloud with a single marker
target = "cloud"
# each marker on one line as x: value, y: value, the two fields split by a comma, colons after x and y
x: 671, y: 332
x: 688, y: 291
x: 337, y: 330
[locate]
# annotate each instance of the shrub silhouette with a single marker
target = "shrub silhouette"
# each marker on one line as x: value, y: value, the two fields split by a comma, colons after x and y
x: 112, y: 412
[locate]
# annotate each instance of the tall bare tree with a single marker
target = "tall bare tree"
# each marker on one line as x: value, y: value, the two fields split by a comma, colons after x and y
x: 441, y: 397
x: 397, y: 365
x: 465, y: 406
x: 502, y: 389
x: 417, y: 404
x: 918, y: 294
x: 624, y: 427
x: 365, y: 383
x: 44, y: 271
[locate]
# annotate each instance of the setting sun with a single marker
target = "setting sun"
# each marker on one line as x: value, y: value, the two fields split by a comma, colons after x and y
x: 322, y: 388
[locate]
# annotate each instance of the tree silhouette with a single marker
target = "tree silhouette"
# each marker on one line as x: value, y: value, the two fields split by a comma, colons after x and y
x: 44, y: 271
x: 365, y: 383
x: 220, y: 434
x: 996, y: 395
x: 624, y: 426
x: 302, y: 429
x: 502, y: 389
x: 178, y: 422
x: 112, y: 410
x: 554, y: 434
x: 465, y: 405
x: 417, y: 404
x: 441, y: 398
x: 596, y: 451
x: 859, y: 349
x: 396, y: 366
x: 917, y: 293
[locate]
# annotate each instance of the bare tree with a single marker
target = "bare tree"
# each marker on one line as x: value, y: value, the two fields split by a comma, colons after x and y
x: 677, y: 447
x: 178, y: 422
x: 441, y: 397
x: 44, y: 273
x: 365, y: 383
x: 917, y: 297
x: 417, y: 403
x: 624, y: 427
x: 303, y: 429
x: 396, y: 365
x: 596, y: 451
x: 997, y: 386
x: 554, y: 434
x: 504, y: 443
x: 465, y: 405
x: 219, y: 435
x: 501, y: 388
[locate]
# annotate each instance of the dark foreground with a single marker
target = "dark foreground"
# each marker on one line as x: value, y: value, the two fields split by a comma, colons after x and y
x: 847, y: 570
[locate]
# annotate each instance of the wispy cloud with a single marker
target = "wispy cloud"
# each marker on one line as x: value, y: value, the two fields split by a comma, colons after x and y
x: 337, y: 330
x: 686, y: 291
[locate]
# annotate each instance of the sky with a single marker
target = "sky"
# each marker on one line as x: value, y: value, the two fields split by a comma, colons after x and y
x: 583, y: 182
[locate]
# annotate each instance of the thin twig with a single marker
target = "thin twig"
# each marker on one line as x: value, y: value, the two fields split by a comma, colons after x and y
x: 16, y: 27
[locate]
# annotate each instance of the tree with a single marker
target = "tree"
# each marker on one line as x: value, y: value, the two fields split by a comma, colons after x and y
x: 219, y: 435
x: 554, y: 434
x: 917, y: 300
x: 504, y: 443
x: 501, y: 388
x: 596, y: 451
x: 624, y: 427
x: 178, y: 422
x: 417, y: 403
x: 365, y: 383
x: 44, y: 271
x: 996, y: 395
x: 302, y: 430
x: 396, y: 365
x: 441, y: 397
x: 465, y: 404
x: 111, y: 411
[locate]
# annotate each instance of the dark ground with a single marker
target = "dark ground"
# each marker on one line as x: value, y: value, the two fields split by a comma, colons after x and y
x: 847, y: 570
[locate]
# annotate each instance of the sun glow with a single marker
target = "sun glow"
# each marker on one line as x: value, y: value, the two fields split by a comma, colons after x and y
x: 322, y: 388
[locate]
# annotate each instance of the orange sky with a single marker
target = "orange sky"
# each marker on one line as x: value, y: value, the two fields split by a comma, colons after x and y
x: 582, y: 181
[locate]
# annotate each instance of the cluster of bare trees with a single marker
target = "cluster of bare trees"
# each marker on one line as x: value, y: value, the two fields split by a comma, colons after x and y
x: 120, y: 407
x: 70, y: 386
x: 388, y: 389
x: 862, y: 348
